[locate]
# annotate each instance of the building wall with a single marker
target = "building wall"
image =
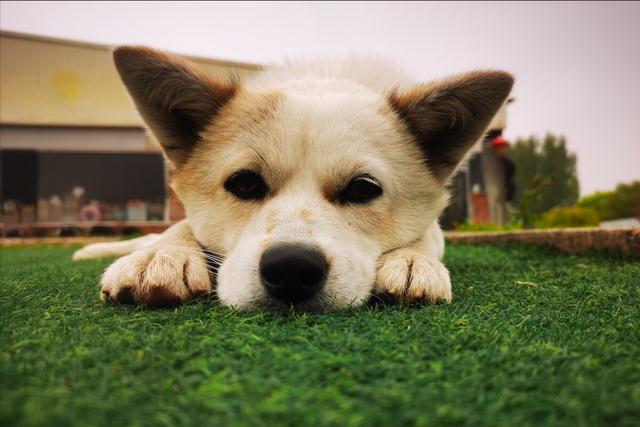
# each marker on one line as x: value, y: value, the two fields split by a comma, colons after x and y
x: 75, y: 138
x: 48, y: 82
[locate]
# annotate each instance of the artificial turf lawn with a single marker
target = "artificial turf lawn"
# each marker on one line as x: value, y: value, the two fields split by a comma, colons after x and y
x: 560, y: 347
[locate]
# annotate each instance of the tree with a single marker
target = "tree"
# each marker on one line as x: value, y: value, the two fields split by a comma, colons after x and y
x: 545, y: 176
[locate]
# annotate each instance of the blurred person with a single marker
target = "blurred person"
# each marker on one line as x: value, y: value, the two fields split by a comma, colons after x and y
x: 501, y: 146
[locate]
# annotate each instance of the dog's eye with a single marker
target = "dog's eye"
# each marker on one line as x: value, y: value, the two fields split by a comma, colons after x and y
x: 362, y: 189
x: 246, y: 185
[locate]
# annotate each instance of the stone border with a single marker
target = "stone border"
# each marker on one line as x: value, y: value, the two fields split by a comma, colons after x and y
x: 569, y: 240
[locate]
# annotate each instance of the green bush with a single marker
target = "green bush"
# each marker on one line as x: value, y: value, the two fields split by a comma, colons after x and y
x: 623, y: 202
x: 569, y: 217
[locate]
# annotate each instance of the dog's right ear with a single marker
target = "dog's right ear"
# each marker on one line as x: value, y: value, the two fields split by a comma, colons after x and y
x: 175, y: 99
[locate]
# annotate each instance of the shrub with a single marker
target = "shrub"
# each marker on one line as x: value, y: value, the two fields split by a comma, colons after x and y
x: 569, y: 217
x: 623, y: 202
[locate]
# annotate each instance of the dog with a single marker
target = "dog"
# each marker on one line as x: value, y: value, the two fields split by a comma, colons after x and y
x: 312, y: 186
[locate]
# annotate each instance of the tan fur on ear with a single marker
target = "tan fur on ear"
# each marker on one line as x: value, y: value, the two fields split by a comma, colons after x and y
x: 174, y: 98
x: 447, y: 117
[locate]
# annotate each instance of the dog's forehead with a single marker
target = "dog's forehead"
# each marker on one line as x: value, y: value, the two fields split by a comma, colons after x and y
x: 331, y: 124
x: 334, y: 134
x: 331, y: 134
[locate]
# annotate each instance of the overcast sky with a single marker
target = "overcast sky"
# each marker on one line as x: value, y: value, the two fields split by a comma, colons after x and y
x: 577, y: 65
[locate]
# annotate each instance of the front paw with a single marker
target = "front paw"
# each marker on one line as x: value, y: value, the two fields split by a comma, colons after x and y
x: 159, y: 276
x: 409, y: 277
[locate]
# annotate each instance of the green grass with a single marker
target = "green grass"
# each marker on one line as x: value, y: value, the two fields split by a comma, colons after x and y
x: 533, y: 337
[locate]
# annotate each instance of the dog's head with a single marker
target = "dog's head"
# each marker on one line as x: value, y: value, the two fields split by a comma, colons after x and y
x: 303, y: 184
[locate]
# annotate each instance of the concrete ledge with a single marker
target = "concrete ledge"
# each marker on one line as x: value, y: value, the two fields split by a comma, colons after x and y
x: 569, y: 240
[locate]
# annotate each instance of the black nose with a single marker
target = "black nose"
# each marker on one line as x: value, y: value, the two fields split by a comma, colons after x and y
x: 293, y: 273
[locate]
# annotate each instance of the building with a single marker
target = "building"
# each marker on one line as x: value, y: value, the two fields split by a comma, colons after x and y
x: 74, y: 151
x: 73, y: 148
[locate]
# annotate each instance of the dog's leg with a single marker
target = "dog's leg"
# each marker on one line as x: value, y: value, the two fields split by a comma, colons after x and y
x: 414, y: 273
x: 115, y: 249
x: 168, y: 272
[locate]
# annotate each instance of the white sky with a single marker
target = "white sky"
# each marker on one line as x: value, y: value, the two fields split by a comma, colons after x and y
x: 577, y: 65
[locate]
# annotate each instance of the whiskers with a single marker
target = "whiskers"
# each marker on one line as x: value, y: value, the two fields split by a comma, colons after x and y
x: 213, y: 259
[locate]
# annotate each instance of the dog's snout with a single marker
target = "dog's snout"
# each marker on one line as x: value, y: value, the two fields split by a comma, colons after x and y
x: 293, y: 273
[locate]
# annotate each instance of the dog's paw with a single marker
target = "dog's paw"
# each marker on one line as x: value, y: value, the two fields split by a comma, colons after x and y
x: 159, y: 276
x: 409, y: 277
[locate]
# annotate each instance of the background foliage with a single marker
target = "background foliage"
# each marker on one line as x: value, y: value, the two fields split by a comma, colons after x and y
x: 569, y: 217
x: 545, y: 176
x: 623, y: 202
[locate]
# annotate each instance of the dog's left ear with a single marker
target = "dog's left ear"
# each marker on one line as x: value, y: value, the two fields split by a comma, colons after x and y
x: 176, y: 99
x: 447, y: 117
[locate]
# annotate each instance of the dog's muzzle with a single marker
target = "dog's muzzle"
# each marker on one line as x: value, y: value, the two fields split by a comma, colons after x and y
x: 293, y: 273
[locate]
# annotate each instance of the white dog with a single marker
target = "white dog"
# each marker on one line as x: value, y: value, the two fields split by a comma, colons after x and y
x: 314, y: 185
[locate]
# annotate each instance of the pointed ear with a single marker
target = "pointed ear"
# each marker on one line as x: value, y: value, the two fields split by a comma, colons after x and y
x: 175, y: 99
x: 447, y: 117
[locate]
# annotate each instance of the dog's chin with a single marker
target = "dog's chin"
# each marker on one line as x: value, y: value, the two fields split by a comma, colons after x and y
x: 318, y: 304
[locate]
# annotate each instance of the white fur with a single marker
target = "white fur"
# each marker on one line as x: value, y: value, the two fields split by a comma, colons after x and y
x: 376, y: 74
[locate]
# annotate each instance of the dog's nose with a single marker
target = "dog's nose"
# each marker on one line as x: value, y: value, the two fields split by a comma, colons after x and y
x: 293, y: 273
